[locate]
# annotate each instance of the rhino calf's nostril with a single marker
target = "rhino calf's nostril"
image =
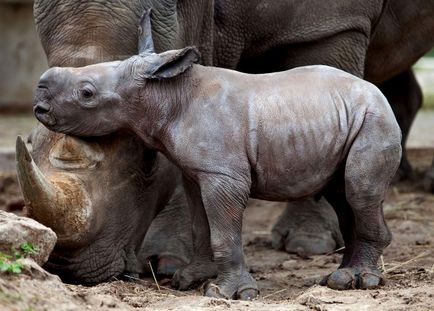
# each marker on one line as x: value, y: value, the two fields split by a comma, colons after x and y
x: 42, y: 108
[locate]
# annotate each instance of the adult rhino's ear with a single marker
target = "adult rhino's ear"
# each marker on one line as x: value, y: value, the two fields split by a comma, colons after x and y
x: 172, y: 63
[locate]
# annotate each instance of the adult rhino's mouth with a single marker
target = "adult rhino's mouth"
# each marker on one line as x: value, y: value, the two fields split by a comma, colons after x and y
x: 90, y: 266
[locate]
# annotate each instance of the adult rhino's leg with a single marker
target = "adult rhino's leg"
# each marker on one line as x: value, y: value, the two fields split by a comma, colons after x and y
x: 168, y: 242
x: 405, y: 96
x: 429, y: 179
x: 307, y: 227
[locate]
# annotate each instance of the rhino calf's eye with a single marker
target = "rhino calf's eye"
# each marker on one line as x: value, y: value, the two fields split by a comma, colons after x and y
x: 86, y: 93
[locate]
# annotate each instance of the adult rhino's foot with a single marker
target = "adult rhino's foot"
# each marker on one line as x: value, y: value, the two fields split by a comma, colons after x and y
x: 168, y: 244
x: 167, y: 265
x: 307, y: 228
x: 236, y: 286
x: 354, y: 278
x: 194, y: 274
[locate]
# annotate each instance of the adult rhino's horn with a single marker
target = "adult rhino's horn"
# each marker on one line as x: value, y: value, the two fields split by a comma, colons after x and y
x: 146, y: 43
x: 47, y: 200
x: 34, y: 186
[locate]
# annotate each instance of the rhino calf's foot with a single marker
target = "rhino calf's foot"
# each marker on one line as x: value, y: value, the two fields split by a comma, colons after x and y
x: 242, y: 287
x: 354, y: 278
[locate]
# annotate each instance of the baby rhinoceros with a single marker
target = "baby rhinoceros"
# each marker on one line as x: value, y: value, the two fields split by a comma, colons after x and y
x: 283, y: 136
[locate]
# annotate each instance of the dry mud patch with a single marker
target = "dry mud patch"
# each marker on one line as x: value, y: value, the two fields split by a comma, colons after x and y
x: 287, y: 282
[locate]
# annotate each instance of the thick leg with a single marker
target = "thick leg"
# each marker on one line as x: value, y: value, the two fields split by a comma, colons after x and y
x: 429, y: 179
x: 169, y: 242
x: 224, y: 201
x: 201, y: 266
x: 370, y: 166
x: 405, y: 97
x: 307, y: 227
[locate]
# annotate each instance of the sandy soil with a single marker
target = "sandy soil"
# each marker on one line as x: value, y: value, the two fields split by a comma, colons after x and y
x: 286, y: 281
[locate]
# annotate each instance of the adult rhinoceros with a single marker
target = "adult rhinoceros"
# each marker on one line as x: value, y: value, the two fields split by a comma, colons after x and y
x: 253, y: 36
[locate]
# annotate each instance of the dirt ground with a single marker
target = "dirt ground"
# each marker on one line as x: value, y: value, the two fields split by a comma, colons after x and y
x: 286, y: 281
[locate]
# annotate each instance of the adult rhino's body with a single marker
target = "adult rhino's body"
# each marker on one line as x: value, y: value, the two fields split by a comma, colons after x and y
x: 229, y: 34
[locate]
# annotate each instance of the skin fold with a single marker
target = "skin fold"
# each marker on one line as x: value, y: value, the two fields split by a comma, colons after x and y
x: 339, y: 139
x: 96, y: 239
x: 252, y: 36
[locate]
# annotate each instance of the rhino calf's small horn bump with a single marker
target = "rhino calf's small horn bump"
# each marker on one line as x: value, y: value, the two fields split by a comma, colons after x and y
x: 146, y: 43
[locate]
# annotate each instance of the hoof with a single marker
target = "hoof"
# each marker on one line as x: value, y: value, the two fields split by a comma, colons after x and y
x: 307, y: 245
x: 370, y: 280
x: 315, y: 232
x: 182, y: 280
x: 352, y: 278
x: 342, y: 279
x: 214, y: 291
x: 243, y: 288
x: 247, y: 294
x: 192, y: 275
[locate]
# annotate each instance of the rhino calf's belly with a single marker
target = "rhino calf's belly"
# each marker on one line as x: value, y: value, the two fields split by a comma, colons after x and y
x: 298, y: 160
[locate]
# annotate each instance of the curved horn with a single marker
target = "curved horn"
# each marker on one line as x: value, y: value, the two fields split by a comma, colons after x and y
x: 61, y: 204
x: 146, y: 43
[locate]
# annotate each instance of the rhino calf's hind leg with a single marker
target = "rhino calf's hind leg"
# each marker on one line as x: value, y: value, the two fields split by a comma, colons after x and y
x: 371, y: 164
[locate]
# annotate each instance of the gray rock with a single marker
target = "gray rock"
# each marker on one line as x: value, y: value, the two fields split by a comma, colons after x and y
x: 32, y: 269
x: 15, y: 230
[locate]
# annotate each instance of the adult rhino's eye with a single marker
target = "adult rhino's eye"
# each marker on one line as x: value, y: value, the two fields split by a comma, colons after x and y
x: 86, y: 93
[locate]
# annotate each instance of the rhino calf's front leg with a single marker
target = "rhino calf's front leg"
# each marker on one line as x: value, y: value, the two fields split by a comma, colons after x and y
x: 224, y: 200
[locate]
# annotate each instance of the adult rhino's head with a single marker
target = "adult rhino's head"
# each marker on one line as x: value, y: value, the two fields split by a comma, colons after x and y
x: 79, y: 33
x: 98, y: 204
x: 100, y: 99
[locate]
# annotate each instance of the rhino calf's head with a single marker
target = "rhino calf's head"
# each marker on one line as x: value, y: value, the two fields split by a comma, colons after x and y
x: 98, y: 99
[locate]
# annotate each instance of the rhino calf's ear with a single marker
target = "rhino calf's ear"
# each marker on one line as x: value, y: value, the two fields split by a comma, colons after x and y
x: 172, y: 63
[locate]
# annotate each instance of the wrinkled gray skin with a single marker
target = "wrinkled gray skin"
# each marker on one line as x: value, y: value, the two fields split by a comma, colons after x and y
x: 236, y: 136
x: 77, y: 34
x: 67, y: 191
